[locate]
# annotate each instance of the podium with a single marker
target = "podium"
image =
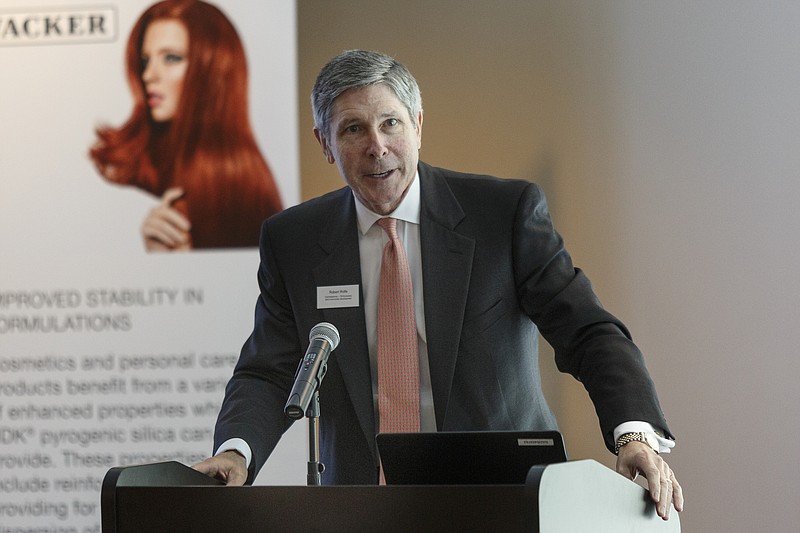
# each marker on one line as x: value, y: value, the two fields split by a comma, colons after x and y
x: 572, y: 497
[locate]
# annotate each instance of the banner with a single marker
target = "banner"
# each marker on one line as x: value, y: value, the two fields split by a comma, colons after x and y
x: 129, y: 209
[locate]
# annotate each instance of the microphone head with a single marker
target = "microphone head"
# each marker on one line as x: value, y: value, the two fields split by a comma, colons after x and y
x: 327, y: 331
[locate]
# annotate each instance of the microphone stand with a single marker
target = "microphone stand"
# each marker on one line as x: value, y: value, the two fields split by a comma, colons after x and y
x: 315, y: 468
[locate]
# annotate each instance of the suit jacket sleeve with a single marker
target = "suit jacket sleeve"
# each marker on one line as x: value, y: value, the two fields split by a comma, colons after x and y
x: 265, y: 371
x: 589, y: 343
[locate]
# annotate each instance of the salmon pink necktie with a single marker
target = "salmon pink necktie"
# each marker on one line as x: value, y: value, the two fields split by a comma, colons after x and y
x: 398, y: 356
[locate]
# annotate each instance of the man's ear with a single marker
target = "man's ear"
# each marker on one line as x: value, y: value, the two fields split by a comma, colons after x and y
x: 418, y: 124
x: 323, y: 142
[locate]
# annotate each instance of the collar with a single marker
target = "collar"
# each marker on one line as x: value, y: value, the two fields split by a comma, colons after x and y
x: 408, y: 210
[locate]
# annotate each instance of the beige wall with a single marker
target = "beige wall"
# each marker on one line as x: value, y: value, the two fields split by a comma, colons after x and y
x: 666, y: 137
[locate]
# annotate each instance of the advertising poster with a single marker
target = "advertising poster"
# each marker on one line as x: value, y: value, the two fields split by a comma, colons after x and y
x: 140, y: 148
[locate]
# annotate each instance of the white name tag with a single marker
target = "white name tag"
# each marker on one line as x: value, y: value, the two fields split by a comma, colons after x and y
x: 335, y: 296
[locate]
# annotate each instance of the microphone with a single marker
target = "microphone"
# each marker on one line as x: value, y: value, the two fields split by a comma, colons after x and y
x: 324, y: 338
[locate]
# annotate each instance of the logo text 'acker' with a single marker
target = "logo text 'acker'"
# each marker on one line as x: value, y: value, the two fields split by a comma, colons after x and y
x: 65, y: 25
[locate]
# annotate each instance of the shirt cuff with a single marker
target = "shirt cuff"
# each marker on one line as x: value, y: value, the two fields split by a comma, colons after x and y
x: 665, y: 445
x: 237, y: 445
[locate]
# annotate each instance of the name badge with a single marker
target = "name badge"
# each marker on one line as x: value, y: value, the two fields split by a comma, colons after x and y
x: 336, y: 296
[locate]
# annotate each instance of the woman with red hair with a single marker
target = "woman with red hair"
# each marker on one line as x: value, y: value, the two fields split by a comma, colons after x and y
x: 188, y: 140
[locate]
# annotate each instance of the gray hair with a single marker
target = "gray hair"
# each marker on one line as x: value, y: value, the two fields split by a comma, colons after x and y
x: 360, y: 68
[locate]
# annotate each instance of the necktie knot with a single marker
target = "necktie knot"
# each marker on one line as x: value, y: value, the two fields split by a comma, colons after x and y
x: 389, y: 225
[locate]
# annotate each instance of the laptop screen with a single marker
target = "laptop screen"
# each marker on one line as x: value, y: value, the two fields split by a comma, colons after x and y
x: 471, y: 457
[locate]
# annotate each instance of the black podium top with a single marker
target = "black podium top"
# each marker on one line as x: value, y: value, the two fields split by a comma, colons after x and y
x: 568, y: 497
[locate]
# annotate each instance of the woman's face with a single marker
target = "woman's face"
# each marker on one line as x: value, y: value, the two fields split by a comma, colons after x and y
x: 164, y: 60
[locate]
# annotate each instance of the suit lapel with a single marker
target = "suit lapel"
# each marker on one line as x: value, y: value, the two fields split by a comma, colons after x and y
x: 339, y: 239
x: 446, y: 266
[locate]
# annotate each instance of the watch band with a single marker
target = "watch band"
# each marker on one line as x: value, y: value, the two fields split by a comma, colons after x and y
x: 637, y: 436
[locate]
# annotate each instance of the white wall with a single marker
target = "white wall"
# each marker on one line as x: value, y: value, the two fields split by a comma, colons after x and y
x: 677, y: 163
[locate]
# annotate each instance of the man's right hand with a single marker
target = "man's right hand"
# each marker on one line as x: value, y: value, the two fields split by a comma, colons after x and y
x: 229, y: 467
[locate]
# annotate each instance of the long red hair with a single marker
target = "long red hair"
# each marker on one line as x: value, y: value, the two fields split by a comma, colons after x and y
x: 208, y: 148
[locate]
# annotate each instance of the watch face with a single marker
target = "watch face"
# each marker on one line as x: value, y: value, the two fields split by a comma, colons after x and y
x: 652, y: 441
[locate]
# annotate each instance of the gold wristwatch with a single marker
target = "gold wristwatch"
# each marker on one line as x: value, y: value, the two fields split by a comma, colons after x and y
x: 637, y: 436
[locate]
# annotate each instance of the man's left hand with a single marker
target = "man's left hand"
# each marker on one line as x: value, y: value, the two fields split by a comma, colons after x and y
x: 638, y: 458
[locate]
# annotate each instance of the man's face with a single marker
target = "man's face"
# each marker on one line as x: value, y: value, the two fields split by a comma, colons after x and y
x: 375, y: 144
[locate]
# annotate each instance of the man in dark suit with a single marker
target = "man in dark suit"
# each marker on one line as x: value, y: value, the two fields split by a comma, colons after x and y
x: 488, y: 269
